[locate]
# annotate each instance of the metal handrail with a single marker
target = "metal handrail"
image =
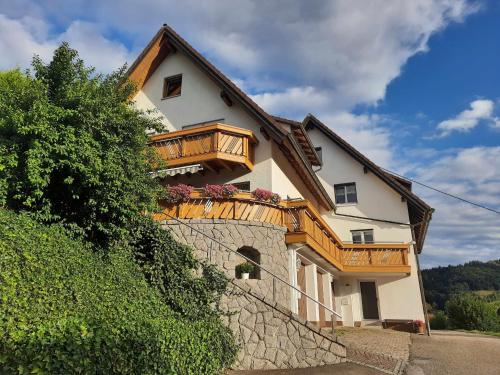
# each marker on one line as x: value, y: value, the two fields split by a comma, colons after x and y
x: 275, y: 277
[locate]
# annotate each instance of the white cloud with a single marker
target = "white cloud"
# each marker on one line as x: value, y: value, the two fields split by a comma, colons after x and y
x: 481, y: 109
x: 18, y: 43
x: 349, y: 50
x: 324, y: 57
x: 460, y: 232
x: 22, y: 38
x: 296, y: 100
x: 367, y: 133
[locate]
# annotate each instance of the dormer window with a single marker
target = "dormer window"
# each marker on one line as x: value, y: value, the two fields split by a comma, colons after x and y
x: 172, y: 86
x: 346, y: 193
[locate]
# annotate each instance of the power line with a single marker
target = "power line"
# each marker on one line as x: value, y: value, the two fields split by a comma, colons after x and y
x: 445, y: 193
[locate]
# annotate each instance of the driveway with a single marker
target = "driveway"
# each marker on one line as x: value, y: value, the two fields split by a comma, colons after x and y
x: 340, y: 369
x: 454, y: 353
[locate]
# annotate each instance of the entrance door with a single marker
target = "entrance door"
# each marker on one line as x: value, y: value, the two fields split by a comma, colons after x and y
x: 369, y: 300
x: 301, y: 282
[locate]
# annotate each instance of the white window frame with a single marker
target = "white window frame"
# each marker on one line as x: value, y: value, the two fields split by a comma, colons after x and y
x: 362, y: 232
x: 344, y: 186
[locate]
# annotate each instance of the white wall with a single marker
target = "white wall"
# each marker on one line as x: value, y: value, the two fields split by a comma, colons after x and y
x: 399, y: 296
x: 200, y: 102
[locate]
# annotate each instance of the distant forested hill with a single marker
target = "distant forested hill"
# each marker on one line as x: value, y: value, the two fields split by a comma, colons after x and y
x: 441, y: 282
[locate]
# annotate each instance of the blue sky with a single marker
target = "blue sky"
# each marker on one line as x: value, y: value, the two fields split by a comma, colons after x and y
x: 415, y: 85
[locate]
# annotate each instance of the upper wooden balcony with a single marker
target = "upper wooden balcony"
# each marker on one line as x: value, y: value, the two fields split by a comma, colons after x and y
x: 305, y: 226
x: 215, y: 146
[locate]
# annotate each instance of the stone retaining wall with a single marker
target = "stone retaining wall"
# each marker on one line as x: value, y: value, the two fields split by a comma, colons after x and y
x: 272, y: 337
x: 269, y: 334
x: 268, y: 239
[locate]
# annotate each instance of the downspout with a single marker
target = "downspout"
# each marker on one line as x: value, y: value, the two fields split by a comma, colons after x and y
x: 420, y: 282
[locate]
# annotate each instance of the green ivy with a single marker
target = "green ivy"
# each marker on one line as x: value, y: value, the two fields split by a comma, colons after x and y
x: 66, y: 309
x: 169, y: 265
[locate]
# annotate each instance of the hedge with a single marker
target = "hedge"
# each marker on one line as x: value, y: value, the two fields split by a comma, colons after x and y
x: 469, y: 311
x: 66, y: 309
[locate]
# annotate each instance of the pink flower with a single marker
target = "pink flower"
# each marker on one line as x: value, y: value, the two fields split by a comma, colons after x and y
x: 219, y: 191
x: 262, y: 194
x: 229, y: 190
x: 179, y: 193
x: 266, y: 195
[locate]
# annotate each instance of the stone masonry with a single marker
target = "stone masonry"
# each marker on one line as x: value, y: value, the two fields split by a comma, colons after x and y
x: 269, y: 334
x: 268, y: 239
x: 272, y: 337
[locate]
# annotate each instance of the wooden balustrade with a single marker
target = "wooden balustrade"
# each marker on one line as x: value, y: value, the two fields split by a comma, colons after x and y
x: 305, y: 226
x: 216, y: 146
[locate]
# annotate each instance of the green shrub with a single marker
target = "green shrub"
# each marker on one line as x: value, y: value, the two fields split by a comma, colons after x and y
x: 439, y: 320
x: 66, y: 309
x: 246, y: 267
x: 73, y: 148
x: 468, y: 311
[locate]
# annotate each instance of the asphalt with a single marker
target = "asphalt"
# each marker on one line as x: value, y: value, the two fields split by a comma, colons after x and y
x: 454, y: 353
x: 340, y: 369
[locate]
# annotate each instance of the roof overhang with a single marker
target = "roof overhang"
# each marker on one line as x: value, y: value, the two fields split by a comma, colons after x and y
x: 420, y: 213
x: 167, y: 41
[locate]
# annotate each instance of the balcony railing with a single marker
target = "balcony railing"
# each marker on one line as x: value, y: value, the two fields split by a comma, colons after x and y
x: 305, y: 226
x: 215, y: 146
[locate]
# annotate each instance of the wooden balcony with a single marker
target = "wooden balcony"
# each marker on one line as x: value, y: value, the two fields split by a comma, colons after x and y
x: 305, y: 226
x: 215, y: 146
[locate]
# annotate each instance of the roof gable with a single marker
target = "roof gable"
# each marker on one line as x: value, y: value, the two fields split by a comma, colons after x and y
x: 419, y: 211
x: 167, y: 41
x: 300, y: 134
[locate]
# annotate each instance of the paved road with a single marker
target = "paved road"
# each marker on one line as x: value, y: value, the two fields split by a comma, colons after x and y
x: 340, y: 369
x: 454, y: 353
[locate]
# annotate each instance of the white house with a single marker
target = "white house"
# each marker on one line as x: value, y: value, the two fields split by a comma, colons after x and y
x: 353, y: 232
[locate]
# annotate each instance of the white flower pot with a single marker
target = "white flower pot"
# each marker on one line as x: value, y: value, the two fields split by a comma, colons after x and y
x: 245, y: 276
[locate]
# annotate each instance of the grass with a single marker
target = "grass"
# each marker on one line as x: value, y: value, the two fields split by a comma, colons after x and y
x: 489, y: 333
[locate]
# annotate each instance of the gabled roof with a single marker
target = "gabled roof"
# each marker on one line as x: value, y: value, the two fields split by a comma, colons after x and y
x: 300, y: 134
x: 420, y: 212
x: 167, y: 41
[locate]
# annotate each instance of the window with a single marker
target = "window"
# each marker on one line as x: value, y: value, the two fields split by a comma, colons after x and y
x: 362, y: 236
x: 172, y: 86
x: 346, y: 193
x: 244, y: 186
x: 319, y: 151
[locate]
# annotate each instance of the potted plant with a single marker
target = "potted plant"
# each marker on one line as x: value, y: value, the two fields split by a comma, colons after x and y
x: 419, y: 327
x: 220, y: 191
x: 244, y: 270
x: 179, y: 193
x: 266, y: 196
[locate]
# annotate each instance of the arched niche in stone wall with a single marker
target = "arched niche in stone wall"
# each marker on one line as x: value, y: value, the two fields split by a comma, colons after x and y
x: 254, y: 255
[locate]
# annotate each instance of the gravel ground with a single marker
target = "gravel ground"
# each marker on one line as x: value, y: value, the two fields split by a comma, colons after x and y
x: 454, y: 353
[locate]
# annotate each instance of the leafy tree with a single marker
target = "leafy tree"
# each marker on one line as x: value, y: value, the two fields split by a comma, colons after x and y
x: 439, y: 320
x: 468, y: 311
x: 73, y: 149
x: 441, y: 283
